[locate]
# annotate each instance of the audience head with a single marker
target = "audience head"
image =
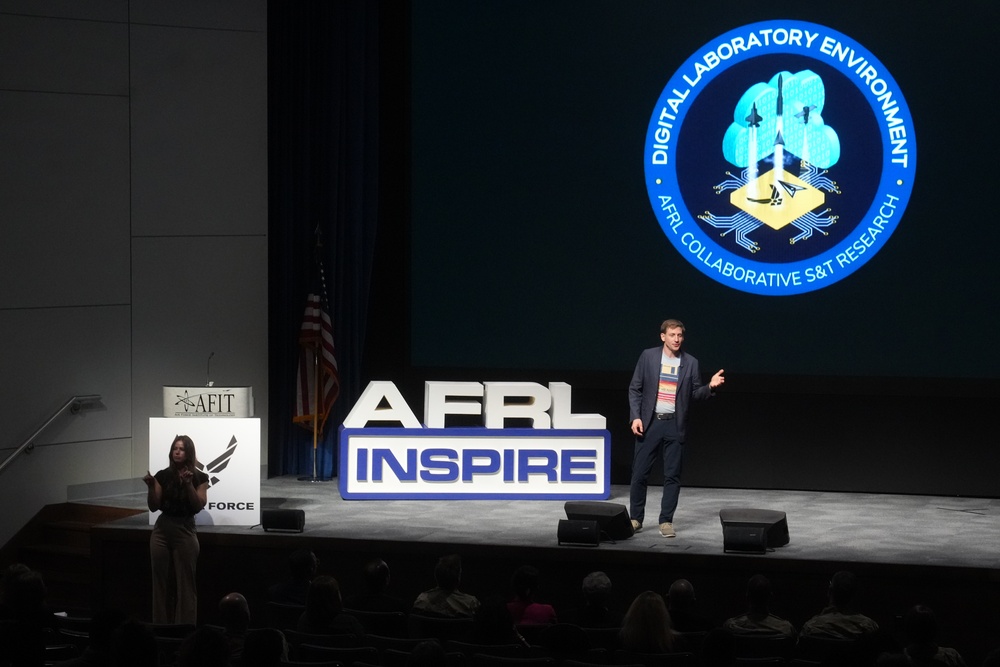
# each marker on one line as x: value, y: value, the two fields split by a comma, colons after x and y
x: 596, y: 589
x: 205, y: 647
x: 448, y: 572
x: 759, y: 592
x: 524, y: 582
x: 428, y: 653
x: 842, y: 589
x: 264, y: 647
x: 646, y: 627
x: 103, y: 625
x: 323, y: 602
x: 993, y: 659
x: 23, y: 590
x: 919, y: 626
x: 235, y: 613
x: 376, y: 575
x: 718, y: 649
x: 888, y: 659
x: 303, y: 564
x: 493, y: 623
x: 564, y: 639
x: 133, y: 645
x: 9, y: 574
x: 680, y: 595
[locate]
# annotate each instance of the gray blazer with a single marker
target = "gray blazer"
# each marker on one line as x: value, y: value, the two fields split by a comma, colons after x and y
x: 645, y: 382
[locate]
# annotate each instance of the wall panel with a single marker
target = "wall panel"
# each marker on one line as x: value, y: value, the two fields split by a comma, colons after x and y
x: 199, y: 135
x: 64, y: 169
x: 66, y: 56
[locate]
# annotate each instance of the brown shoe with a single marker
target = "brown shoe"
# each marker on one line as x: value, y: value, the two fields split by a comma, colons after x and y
x: 636, y: 526
x: 667, y: 530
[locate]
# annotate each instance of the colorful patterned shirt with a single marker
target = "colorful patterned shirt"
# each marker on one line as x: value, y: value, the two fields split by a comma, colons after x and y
x: 666, y: 391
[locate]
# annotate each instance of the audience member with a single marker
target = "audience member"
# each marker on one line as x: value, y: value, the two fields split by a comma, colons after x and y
x: 428, y: 653
x: 992, y: 659
x: 888, y: 659
x: 375, y: 596
x: 758, y: 620
x: 494, y: 624
x: 646, y: 626
x: 445, y: 599
x: 302, y: 567
x: 840, y: 619
x: 264, y: 647
x: 596, y: 610
x: 98, y: 651
x: 9, y: 575
x: 523, y: 608
x: 683, y: 608
x: 718, y: 649
x: 920, y: 629
x: 235, y: 614
x: 205, y: 647
x: 324, y: 614
x: 565, y: 641
x: 26, y: 618
x: 133, y: 645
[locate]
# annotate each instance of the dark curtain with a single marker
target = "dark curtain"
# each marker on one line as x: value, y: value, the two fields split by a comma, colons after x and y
x: 323, y: 84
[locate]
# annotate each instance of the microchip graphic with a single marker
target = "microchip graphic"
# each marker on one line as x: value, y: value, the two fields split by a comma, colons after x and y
x: 779, y: 158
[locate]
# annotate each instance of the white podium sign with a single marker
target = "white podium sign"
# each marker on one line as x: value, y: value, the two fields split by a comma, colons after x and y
x: 228, y: 452
x: 207, y: 401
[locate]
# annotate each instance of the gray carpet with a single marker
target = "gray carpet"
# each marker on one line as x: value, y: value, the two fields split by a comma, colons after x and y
x: 848, y: 527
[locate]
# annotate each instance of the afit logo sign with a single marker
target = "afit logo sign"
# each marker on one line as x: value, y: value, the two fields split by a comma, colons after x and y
x: 780, y: 157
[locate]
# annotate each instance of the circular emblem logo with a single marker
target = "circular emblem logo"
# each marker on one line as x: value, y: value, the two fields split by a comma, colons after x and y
x: 780, y: 157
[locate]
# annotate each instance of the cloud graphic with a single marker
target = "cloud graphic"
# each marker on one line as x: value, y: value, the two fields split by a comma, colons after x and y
x: 804, y: 132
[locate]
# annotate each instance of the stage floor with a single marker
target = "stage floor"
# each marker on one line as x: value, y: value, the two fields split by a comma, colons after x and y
x: 878, y: 529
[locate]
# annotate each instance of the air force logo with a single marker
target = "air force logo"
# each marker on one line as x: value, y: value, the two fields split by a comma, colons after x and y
x: 219, y: 463
x: 779, y: 158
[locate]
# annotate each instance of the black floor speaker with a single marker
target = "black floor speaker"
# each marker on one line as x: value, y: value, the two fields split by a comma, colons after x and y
x: 612, y: 518
x: 579, y: 533
x: 284, y: 520
x: 752, y: 530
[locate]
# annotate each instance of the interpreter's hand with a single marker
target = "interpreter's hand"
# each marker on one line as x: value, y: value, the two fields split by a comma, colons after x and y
x: 148, y: 479
x: 717, y: 379
x: 186, y: 476
x: 637, y: 427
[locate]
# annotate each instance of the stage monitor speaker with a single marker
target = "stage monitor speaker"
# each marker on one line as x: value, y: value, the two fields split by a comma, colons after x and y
x: 284, y: 520
x: 612, y: 518
x: 579, y: 533
x: 753, y: 531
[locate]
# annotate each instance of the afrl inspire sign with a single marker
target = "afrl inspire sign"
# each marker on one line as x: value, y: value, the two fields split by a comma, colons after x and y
x: 561, y: 456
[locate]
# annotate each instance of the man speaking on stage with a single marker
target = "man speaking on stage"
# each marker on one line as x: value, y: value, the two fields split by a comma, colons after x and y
x: 663, y: 385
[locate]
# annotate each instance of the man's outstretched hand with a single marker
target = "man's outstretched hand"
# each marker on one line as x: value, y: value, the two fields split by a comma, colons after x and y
x: 717, y: 379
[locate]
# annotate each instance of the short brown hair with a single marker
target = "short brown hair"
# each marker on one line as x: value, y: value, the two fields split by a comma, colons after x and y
x: 671, y: 324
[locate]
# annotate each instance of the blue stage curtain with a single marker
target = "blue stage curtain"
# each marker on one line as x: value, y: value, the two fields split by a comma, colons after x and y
x: 323, y: 106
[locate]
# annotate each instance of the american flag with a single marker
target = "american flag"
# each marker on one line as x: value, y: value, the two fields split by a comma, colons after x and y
x: 315, y: 336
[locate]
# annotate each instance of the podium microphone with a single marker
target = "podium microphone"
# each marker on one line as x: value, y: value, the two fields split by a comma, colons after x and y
x: 208, y: 371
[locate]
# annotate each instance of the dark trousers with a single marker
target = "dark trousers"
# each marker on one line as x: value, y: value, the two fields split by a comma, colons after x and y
x: 660, y: 439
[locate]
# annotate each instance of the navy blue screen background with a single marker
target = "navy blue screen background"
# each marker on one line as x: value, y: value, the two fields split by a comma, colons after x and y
x: 533, y: 244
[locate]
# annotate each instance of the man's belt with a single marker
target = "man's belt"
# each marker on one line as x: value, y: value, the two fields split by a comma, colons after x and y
x: 665, y: 415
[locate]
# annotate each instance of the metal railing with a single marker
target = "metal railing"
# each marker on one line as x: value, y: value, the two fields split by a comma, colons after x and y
x: 74, y: 405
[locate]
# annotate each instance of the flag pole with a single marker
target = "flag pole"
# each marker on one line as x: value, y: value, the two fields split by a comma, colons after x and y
x: 316, y: 345
x: 316, y: 412
x: 315, y: 421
